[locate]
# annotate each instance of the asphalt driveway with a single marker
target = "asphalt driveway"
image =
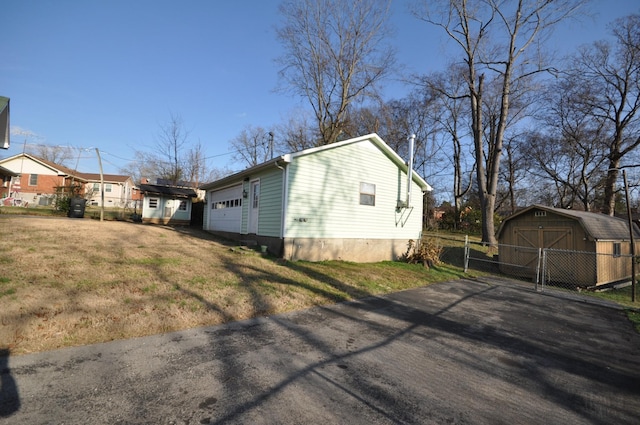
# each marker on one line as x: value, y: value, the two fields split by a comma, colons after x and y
x: 463, y: 352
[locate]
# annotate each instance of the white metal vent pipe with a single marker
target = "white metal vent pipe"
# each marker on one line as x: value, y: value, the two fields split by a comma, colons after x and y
x: 412, y: 140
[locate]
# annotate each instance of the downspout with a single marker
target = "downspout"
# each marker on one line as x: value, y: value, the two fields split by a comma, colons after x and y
x: 412, y: 139
x: 284, y: 198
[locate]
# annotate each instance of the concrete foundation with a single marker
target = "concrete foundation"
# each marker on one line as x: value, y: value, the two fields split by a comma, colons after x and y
x: 324, y: 249
x: 356, y: 250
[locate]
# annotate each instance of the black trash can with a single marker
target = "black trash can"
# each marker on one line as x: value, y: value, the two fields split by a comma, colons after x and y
x: 76, y: 207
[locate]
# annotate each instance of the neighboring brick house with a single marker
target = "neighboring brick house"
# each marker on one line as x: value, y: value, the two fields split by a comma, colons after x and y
x: 36, y: 180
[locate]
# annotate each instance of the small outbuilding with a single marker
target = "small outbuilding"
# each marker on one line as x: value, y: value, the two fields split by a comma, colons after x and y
x: 166, y: 204
x: 353, y: 200
x: 593, y: 248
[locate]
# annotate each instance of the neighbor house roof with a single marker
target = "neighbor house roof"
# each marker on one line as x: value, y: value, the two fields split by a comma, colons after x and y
x: 60, y: 169
x: 114, y: 178
x: 178, y: 192
x: 598, y: 226
x: 285, y: 159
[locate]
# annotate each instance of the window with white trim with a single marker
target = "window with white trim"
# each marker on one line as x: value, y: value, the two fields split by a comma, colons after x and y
x: 33, y: 179
x: 107, y: 187
x: 367, y: 194
x: 183, y: 205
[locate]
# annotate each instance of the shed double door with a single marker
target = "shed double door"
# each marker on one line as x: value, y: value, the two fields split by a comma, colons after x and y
x: 531, y: 239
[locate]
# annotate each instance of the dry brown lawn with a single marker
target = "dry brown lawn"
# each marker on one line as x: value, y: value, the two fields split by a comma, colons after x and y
x: 67, y: 282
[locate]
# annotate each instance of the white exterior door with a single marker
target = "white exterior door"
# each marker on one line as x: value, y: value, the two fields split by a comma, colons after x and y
x: 226, y: 209
x: 254, y: 206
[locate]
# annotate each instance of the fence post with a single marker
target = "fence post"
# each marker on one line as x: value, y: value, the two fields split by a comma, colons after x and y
x: 538, y: 267
x: 466, y: 253
x: 544, y: 269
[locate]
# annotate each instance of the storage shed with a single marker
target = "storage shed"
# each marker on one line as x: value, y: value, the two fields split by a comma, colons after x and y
x: 166, y: 204
x: 344, y: 201
x: 589, y: 248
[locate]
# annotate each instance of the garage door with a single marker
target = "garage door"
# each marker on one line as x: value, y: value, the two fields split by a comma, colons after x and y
x: 226, y: 209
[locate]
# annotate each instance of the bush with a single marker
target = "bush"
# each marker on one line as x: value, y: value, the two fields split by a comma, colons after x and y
x: 427, y: 252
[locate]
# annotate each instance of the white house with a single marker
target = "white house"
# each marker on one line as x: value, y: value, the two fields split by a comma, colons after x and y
x: 345, y: 201
x: 118, y: 190
x: 166, y: 204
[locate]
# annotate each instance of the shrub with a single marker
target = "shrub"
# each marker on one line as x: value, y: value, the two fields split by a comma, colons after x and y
x: 427, y: 252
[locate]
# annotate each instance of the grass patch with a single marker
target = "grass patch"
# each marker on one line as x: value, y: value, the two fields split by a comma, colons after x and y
x: 5, y: 292
x: 621, y: 296
x: 634, y: 317
x: 159, y: 261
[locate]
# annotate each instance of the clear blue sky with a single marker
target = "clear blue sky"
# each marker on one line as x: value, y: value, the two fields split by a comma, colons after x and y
x: 107, y: 73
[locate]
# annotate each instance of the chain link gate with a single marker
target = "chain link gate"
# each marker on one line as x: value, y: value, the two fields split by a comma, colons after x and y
x: 548, y: 268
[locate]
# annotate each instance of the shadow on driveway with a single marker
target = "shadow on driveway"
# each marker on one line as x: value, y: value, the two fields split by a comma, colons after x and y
x: 464, y: 352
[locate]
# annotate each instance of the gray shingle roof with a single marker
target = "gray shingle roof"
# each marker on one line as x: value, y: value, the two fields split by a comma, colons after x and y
x: 598, y: 226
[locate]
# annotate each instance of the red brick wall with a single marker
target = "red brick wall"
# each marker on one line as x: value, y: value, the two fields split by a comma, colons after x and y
x: 46, y: 184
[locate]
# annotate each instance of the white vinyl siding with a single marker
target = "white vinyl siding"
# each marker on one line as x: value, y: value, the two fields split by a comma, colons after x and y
x: 324, y: 196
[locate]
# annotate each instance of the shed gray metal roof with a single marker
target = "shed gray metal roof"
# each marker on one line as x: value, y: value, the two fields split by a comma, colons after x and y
x: 178, y: 192
x: 598, y: 226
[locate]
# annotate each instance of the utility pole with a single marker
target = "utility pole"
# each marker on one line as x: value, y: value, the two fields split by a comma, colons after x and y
x: 101, y: 186
x: 271, y: 145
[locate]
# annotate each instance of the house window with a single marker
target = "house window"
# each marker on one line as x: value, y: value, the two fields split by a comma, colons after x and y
x: 183, y: 205
x: 617, y: 249
x: 153, y: 202
x: 33, y: 179
x: 96, y: 187
x: 540, y: 214
x: 107, y: 187
x: 367, y: 194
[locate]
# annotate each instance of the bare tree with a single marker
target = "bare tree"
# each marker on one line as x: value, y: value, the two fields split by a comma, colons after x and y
x: 296, y: 133
x: 172, y: 158
x: 336, y: 54
x: 196, y: 169
x: 62, y: 155
x: 573, y: 153
x: 453, y: 125
x: 493, y: 36
x: 170, y: 144
x: 611, y: 72
x: 253, y: 146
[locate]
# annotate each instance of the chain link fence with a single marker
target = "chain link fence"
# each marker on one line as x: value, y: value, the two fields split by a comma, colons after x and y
x: 545, y: 268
